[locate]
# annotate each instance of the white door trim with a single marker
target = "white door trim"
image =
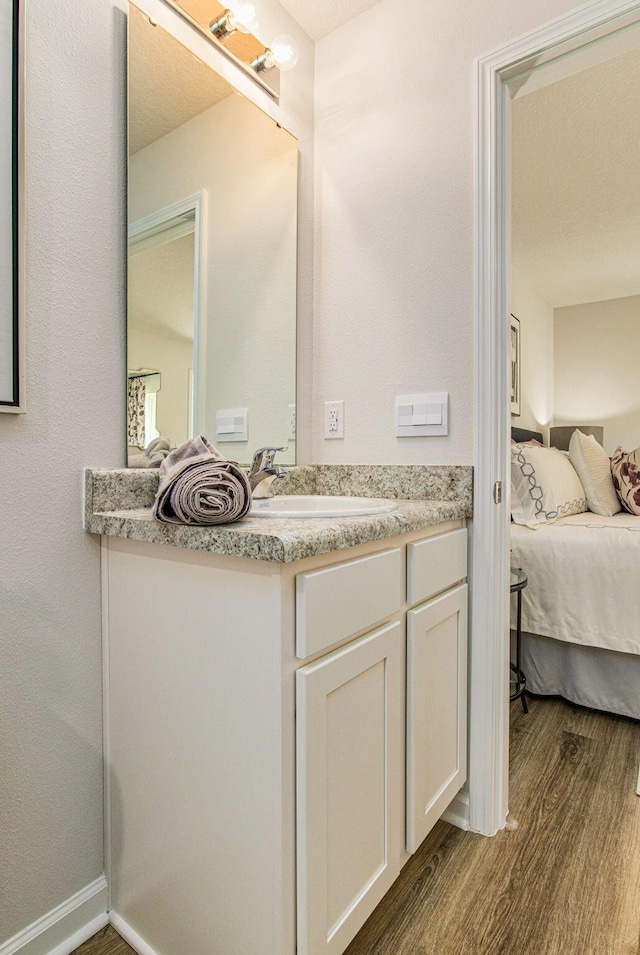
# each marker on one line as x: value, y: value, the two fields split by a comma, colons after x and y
x: 144, y: 230
x: 489, y: 689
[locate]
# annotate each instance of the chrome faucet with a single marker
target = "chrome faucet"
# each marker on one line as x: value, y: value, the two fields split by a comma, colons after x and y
x: 264, y: 472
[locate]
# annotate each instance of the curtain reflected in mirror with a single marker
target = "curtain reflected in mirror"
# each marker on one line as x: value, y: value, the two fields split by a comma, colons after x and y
x: 212, y: 259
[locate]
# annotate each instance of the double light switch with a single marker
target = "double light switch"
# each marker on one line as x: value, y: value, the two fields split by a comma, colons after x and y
x: 422, y: 415
x: 231, y: 424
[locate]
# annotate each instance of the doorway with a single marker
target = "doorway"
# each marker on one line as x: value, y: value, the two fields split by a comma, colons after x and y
x: 574, y: 35
x: 165, y: 325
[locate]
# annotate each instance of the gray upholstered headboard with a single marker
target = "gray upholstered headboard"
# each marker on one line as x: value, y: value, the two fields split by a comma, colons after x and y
x: 521, y: 434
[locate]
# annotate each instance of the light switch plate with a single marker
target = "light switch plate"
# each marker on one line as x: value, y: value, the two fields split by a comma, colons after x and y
x: 420, y: 416
x: 232, y: 424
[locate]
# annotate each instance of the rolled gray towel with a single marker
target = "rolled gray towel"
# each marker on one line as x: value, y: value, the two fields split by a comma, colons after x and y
x: 198, y: 486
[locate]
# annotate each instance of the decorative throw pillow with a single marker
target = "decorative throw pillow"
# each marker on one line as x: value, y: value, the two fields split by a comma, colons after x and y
x: 544, y: 486
x: 625, y: 470
x: 593, y: 467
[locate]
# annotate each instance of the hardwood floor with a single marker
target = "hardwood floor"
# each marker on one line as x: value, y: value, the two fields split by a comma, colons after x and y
x: 106, y: 942
x: 562, y: 879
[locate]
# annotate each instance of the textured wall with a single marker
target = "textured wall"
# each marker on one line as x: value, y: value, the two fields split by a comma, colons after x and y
x: 50, y: 654
x: 50, y: 657
x: 597, y: 351
x: 394, y: 229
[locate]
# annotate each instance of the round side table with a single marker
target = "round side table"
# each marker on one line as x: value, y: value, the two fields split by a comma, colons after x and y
x: 518, y: 683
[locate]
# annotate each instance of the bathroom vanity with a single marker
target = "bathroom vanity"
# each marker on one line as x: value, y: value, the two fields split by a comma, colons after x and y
x: 283, y: 729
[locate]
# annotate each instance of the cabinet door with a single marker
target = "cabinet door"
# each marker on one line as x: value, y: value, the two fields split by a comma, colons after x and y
x: 436, y: 709
x: 349, y: 787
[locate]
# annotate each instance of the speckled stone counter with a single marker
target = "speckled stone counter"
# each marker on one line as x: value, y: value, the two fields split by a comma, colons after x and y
x: 118, y: 503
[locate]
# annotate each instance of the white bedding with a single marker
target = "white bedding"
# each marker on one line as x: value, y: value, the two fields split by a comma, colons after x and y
x: 584, y: 580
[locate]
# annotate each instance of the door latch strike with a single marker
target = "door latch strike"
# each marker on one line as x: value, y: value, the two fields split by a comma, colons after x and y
x: 497, y: 492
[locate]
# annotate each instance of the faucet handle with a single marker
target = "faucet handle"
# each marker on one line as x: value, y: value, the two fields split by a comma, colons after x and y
x: 263, y: 458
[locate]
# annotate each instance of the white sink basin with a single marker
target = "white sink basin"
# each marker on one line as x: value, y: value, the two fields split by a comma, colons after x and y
x: 313, y: 506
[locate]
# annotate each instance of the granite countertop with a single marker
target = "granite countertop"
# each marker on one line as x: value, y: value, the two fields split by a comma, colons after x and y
x: 118, y: 503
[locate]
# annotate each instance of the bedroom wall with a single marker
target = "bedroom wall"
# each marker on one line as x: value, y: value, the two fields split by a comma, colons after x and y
x: 536, y: 354
x: 597, y: 354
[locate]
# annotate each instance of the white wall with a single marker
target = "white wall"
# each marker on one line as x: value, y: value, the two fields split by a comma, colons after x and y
x: 536, y: 355
x: 394, y: 227
x: 248, y: 166
x: 50, y: 654
x: 597, y: 355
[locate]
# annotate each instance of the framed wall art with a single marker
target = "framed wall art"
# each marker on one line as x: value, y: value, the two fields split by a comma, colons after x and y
x: 514, y: 344
x: 11, y: 196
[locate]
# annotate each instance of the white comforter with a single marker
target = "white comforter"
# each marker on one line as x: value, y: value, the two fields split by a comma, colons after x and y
x: 584, y: 580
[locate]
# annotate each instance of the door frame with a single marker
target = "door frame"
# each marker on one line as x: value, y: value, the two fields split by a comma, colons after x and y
x: 489, y: 652
x: 167, y: 220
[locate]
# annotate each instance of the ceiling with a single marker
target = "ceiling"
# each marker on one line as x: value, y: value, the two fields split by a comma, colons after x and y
x: 576, y: 184
x: 168, y: 85
x: 318, y: 19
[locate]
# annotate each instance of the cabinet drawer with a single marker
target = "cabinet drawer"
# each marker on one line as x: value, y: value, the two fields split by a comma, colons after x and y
x: 338, y: 601
x: 435, y: 565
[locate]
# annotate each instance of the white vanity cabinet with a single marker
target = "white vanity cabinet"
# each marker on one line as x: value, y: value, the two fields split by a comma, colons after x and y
x: 259, y: 718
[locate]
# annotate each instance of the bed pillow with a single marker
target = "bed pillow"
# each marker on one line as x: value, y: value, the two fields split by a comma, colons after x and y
x: 544, y: 486
x: 593, y: 467
x: 625, y: 470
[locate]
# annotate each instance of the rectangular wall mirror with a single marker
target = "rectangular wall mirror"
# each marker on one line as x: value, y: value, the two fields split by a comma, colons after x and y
x: 212, y: 219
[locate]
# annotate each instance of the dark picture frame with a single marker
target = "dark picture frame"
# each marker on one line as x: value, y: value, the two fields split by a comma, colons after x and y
x: 11, y: 252
x: 516, y: 372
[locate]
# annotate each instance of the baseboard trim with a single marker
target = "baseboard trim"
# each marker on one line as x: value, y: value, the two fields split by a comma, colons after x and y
x: 457, y: 812
x: 66, y: 927
x: 129, y: 935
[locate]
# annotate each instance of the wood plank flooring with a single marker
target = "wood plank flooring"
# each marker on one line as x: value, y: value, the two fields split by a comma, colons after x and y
x: 106, y: 942
x: 562, y: 879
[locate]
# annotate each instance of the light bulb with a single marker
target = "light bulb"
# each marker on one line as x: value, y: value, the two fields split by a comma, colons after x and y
x: 285, y: 52
x: 246, y: 16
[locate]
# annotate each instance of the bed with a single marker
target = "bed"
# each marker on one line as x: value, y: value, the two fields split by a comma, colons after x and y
x: 581, y: 610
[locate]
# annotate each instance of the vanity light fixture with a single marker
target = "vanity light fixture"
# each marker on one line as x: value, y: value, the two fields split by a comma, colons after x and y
x: 264, y: 62
x: 224, y: 26
x: 283, y: 53
x: 239, y: 16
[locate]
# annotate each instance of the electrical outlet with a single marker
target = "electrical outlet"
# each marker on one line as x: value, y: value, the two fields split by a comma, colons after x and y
x: 292, y: 422
x: 334, y: 419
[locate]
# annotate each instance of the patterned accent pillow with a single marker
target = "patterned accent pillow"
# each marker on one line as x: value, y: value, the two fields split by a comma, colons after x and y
x: 544, y: 486
x: 593, y: 467
x: 625, y: 471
